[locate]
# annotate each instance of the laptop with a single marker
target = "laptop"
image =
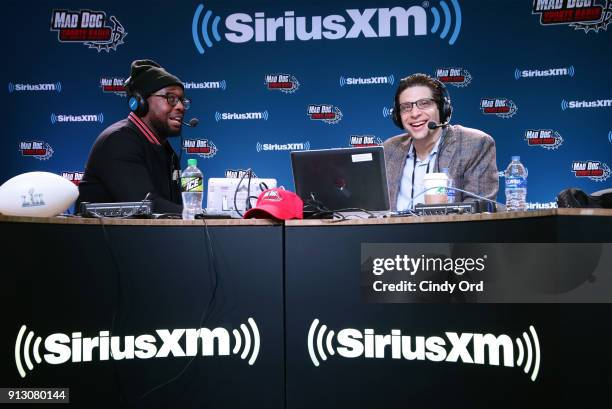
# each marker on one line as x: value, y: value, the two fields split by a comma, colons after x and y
x: 342, y: 178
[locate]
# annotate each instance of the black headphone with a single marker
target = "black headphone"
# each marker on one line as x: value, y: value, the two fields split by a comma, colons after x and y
x: 136, y: 102
x: 445, y: 107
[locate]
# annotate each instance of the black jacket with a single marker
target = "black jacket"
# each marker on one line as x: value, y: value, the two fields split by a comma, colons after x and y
x: 126, y: 163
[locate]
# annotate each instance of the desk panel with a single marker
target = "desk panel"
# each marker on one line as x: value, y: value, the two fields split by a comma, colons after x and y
x: 323, y: 295
x: 68, y: 279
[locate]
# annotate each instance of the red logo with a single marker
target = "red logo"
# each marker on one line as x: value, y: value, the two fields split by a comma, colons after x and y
x: 88, y: 27
x: 362, y: 141
x: 113, y: 85
x: 74, y: 177
x: 35, y: 149
x: 201, y: 147
x: 584, y: 15
x: 454, y: 76
x: 594, y: 170
x: 501, y: 107
x: 326, y: 113
x: 283, y: 82
x: 546, y: 138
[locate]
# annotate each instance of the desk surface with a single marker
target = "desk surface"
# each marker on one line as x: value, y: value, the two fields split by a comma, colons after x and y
x: 455, y: 218
x: 317, y: 222
x: 139, y: 222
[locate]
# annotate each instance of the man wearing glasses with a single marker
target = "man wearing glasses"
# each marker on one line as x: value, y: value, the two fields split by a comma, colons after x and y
x: 132, y: 158
x: 422, y: 108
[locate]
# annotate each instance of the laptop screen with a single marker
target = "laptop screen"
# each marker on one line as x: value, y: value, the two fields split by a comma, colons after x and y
x: 342, y: 178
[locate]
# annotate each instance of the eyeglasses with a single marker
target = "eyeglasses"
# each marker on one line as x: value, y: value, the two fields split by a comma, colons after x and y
x: 174, y: 99
x: 424, y: 103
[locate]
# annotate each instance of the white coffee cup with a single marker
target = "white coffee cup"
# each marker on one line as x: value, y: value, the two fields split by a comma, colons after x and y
x: 437, y: 183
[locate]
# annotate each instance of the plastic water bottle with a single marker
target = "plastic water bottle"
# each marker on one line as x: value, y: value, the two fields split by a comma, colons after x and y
x: 516, y: 185
x: 192, y: 187
x: 450, y: 193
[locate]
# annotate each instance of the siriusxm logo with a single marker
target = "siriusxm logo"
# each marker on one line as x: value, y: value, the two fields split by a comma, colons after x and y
x: 539, y: 205
x: 60, y: 348
x: 229, y: 116
x: 206, y: 85
x: 469, y: 348
x: 267, y: 147
x: 77, y: 118
x: 350, y: 23
x: 57, y: 87
x: 387, y: 112
x: 600, y: 103
x: 551, y: 72
x: 386, y: 80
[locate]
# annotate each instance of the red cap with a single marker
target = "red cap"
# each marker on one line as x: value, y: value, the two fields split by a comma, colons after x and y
x: 278, y: 204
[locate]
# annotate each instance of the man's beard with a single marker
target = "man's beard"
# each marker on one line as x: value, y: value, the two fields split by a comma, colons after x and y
x: 163, y: 130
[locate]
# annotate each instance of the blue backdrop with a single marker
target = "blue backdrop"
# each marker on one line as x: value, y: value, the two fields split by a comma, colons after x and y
x: 269, y: 77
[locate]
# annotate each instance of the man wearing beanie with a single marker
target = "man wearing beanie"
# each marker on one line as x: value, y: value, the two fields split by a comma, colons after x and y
x: 132, y: 159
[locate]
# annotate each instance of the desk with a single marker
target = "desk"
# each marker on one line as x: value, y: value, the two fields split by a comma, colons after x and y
x: 322, y: 271
x: 157, y: 275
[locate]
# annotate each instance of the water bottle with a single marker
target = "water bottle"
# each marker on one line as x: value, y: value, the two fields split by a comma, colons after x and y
x: 516, y: 185
x: 450, y: 193
x: 192, y: 187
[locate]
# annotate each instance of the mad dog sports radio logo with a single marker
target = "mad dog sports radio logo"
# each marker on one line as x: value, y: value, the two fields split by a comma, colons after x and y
x: 326, y: 113
x: 74, y: 177
x: 591, y: 169
x: 459, y: 77
x: 239, y: 173
x: 113, y: 85
x: 88, y: 27
x: 74, y: 348
x: 546, y: 138
x: 201, y: 147
x: 362, y: 141
x: 583, y: 15
x: 501, y: 107
x: 467, y: 348
x: 421, y: 19
x: 285, y: 83
x: 37, y: 150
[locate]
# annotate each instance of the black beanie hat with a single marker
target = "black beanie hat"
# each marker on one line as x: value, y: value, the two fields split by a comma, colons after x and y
x: 147, y: 76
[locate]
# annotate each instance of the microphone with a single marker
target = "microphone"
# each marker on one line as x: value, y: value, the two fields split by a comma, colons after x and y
x: 433, y: 125
x: 193, y: 122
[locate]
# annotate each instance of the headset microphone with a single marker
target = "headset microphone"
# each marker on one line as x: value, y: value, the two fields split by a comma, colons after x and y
x: 193, y: 122
x: 433, y: 125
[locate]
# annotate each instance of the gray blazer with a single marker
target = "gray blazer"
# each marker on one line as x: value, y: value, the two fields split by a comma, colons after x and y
x: 469, y: 155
